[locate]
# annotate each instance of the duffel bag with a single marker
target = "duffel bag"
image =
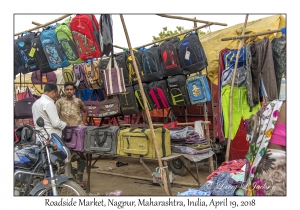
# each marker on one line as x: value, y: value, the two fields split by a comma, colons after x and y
x: 73, y: 136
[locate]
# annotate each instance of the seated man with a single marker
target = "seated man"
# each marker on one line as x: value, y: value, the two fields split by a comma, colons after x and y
x: 69, y: 110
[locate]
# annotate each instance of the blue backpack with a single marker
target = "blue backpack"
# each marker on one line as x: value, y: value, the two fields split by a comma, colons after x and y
x: 198, y: 89
x: 52, y: 49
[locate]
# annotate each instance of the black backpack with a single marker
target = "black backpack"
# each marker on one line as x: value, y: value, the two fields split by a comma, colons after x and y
x: 18, y: 64
x: 178, y: 90
x: 129, y: 64
x: 26, y: 53
x: 121, y: 60
x: 138, y: 95
x: 152, y: 65
x: 40, y: 55
x: 128, y: 102
x: 191, y: 54
x: 169, y: 57
x: 106, y: 34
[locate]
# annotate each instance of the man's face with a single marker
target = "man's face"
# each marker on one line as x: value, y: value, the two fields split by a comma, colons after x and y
x: 69, y: 91
x: 53, y: 94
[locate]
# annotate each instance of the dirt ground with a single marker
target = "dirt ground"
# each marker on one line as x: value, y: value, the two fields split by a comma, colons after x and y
x: 103, y: 184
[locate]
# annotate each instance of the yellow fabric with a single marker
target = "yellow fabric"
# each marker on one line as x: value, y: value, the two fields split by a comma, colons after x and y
x: 212, y: 43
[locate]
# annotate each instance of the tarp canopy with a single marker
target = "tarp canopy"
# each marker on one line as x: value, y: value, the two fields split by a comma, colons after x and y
x: 212, y: 43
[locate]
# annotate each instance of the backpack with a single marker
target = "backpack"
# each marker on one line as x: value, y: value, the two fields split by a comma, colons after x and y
x: 65, y: 39
x: 38, y: 77
x: 199, y: 91
x: 152, y: 65
x: 52, y: 49
x: 93, y: 75
x: 68, y: 74
x: 191, y: 54
x: 159, y: 94
x: 128, y: 102
x: 138, y: 95
x: 85, y: 31
x: 169, y: 57
x: 121, y: 60
x: 79, y: 76
x: 178, y: 91
x: 40, y: 55
x: 18, y: 64
x: 106, y: 34
x: 26, y: 54
x: 129, y: 64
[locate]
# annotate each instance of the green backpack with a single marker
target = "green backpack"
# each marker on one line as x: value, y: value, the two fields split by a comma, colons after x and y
x: 68, y: 74
x: 65, y: 39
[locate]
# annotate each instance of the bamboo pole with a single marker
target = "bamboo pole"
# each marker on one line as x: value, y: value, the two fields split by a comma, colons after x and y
x: 146, y: 107
x: 231, y: 90
x: 43, y: 25
x: 250, y: 35
x: 206, y: 126
x: 191, y: 19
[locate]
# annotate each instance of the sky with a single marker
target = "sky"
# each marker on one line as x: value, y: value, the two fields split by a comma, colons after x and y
x: 141, y: 28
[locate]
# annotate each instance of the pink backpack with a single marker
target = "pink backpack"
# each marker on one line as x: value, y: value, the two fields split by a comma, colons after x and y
x: 159, y: 98
x: 79, y: 75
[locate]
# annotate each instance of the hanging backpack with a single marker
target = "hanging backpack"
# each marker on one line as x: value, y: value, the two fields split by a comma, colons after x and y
x: 65, y: 39
x: 79, y: 76
x: 121, y: 61
x: 85, y: 30
x: 18, y: 63
x: 191, y: 54
x: 159, y: 94
x: 106, y: 34
x: 23, y: 47
x: 93, y: 74
x: 199, y: 91
x: 178, y: 91
x: 38, y: 77
x: 128, y: 102
x: 138, y: 95
x: 169, y: 57
x: 52, y: 49
x: 129, y: 64
x: 40, y: 56
x: 68, y: 74
x: 152, y: 65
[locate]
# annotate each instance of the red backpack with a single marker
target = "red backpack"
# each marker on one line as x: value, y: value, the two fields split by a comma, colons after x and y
x: 85, y: 30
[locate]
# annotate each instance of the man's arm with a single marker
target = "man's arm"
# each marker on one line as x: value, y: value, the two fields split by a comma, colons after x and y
x: 53, y: 116
x: 85, y: 112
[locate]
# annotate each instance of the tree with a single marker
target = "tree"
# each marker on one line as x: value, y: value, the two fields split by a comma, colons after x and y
x: 179, y: 29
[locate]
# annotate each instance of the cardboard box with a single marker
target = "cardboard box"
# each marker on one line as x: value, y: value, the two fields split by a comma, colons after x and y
x: 157, y: 173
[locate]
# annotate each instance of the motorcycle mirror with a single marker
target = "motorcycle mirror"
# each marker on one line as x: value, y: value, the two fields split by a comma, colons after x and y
x: 40, y: 122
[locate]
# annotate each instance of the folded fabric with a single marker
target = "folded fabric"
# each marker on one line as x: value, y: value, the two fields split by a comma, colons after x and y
x: 192, y: 192
x: 233, y: 167
x: 219, y: 185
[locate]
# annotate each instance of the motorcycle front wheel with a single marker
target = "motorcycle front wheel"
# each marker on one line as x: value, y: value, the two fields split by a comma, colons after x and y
x: 68, y: 188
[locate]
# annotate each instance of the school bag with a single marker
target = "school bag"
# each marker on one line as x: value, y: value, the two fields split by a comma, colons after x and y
x: 65, y: 39
x: 85, y: 31
x: 160, y: 94
x: 106, y: 34
x: 138, y: 95
x: 169, y: 57
x: 121, y: 61
x: 178, y: 91
x: 199, y: 91
x: 40, y: 56
x: 23, y: 47
x: 93, y: 74
x: 79, y: 76
x: 152, y: 65
x: 128, y: 102
x: 68, y: 74
x: 52, y: 48
x: 18, y: 64
x: 191, y: 54
x: 129, y: 64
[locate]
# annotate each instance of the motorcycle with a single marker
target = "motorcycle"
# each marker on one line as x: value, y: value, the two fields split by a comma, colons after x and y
x: 39, y: 167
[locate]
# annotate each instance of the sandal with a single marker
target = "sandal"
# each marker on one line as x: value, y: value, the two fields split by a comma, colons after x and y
x: 82, y: 184
x: 119, y: 164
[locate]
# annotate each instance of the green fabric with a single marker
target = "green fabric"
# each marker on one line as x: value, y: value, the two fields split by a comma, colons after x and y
x: 240, y: 177
x: 240, y: 108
